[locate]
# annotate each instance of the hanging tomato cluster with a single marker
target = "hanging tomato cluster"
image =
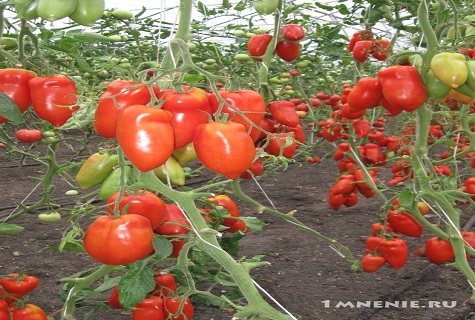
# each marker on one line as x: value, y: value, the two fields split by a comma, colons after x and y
x: 287, y: 47
x: 397, y: 89
x: 161, y: 303
x: 53, y: 98
x: 363, y: 45
x: 13, y: 288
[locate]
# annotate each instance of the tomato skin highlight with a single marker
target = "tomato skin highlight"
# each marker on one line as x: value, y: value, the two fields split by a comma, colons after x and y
x: 121, y: 240
x: 225, y: 148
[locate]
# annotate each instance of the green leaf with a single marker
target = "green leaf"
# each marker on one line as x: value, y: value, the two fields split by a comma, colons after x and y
x: 9, y: 228
x: 202, y: 8
x: 226, y: 4
x: 9, y: 109
x: 136, y: 284
x: 406, y: 199
x: 4, y: 138
x: 162, y: 246
x: 89, y: 37
x: 75, y: 245
x: 253, y: 223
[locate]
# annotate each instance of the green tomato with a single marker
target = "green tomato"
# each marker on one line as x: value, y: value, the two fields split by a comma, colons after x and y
x: 122, y: 14
x: 52, y: 10
x: 239, y: 33
x: 88, y: 11
x: 242, y: 57
x: 8, y: 43
x: 71, y: 192
x: 265, y: 6
x: 115, y: 38
x: 53, y: 216
x: 26, y: 9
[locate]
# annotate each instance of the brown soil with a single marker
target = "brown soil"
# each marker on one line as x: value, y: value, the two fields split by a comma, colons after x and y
x: 310, y: 279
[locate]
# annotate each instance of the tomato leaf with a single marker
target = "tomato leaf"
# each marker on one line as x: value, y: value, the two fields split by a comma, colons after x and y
x: 254, y: 223
x: 135, y: 285
x: 163, y: 248
x: 9, y: 109
x: 406, y: 199
x: 9, y: 228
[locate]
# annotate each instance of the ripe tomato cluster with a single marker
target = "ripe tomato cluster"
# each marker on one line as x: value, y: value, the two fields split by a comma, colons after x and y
x: 161, y: 303
x: 13, y: 289
x: 287, y: 47
x: 363, y: 45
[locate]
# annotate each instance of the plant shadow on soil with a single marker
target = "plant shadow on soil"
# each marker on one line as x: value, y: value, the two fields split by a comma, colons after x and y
x: 306, y: 276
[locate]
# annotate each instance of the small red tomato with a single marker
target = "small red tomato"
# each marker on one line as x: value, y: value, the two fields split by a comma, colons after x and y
x: 28, y: 135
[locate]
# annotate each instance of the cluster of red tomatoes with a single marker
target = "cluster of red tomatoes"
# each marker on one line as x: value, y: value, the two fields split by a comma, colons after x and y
x: 14, y: 287
x: 363, y: 45
x: 287, y: 47
x: 161, y: 303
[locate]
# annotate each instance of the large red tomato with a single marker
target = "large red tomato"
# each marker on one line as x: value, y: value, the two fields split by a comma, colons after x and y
x: 244, y: 106
x: 144, y: 203
x: 189, y: 109
x: 121, y: 240
x: 225, y: 148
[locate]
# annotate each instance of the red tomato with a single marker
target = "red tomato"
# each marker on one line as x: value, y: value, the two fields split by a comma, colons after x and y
x: 146, y: 136
x: 14, y: 83
x: 144, y: 203
x: 227, y: 203
x: 172, y: 308
x: 287, y: 51
x: 403, y: 222
x: 28, y: 135
x: 254, y: 170
x: 175, y: 222
x: 292, y: 32
x: 395, y: 251
x: 244, y: 106
x: 225, y: 148
x: 281, y: 144
x: 402, y: 87
x: 257, y: 45
x: 189, y: 109
x: 29, y: 312
x: 54, y: 98
x: 381, y: 49
x: 366, y: 94
x: 438, y: 251
x: 118, y: 95
x: 362, y: 50
x: 19, y: 284
x: 165, y: 284
x: 371, y: 263
x: 121, y: 240
x: 149, y: 309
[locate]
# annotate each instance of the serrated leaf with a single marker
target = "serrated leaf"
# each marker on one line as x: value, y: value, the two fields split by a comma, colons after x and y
x: 255, y: 224
x: 136, y: 284
x: 9, y: 109
x: 162, y: 246
x: 9, y: 228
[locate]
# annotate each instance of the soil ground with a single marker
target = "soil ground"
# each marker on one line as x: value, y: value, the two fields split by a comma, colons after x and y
x: 306, y: 276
